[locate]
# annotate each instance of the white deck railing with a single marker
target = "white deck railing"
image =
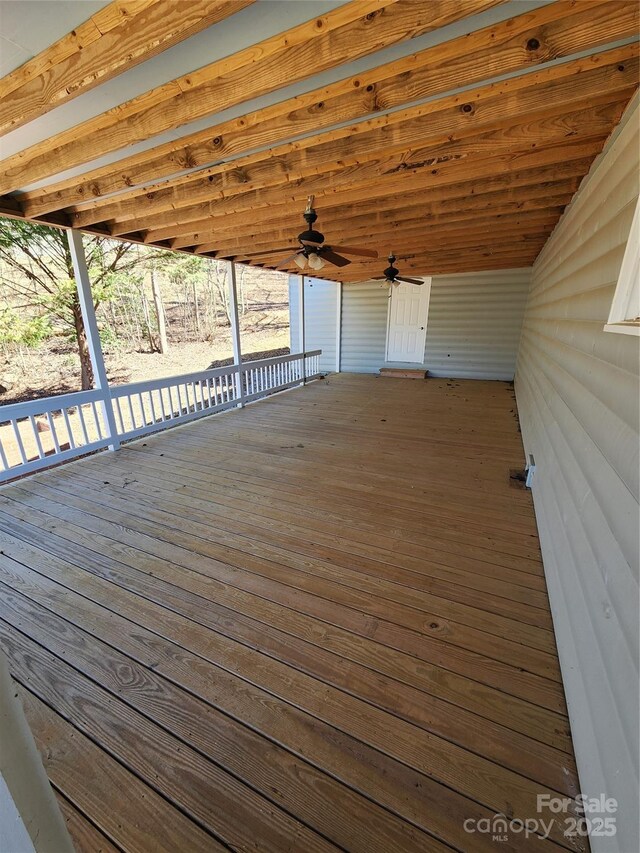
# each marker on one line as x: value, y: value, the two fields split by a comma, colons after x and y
x: 44, y: 432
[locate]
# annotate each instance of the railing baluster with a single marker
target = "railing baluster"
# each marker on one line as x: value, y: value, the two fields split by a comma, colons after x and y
x: 119, y: 413
x: 3, y: 457
x: 96, y: 419
x: 72, y: 442
x: 54, y: 433
x: 23, y: 455
x: 143, y: 414
x: 83, y: 425
x: 36, y: 435
x: 133, y: 418
x: 162, y: 409
x: 152, y: 407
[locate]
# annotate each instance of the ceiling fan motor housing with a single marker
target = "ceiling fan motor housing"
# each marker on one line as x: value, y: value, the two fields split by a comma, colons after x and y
x: 391, y: 272
x: 310, y: 235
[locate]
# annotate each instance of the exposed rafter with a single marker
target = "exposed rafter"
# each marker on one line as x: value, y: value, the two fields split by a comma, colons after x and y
x: 118, y: 37
x: 428, y: 154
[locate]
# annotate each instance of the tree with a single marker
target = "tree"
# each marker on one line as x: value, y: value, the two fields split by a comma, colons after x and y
x: 41, y: 256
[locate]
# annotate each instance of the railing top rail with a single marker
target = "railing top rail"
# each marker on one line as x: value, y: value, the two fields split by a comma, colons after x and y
x: 167, y: 381
x: 48, y: 404
x: 277, y: 359
x: 213, y: 373
x: 79, y: 398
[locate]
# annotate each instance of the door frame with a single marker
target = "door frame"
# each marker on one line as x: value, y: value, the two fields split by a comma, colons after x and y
x: 427, y: 279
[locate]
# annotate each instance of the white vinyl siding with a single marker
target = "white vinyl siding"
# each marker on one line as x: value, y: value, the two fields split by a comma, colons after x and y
x: 577, y: 392
x: 473, y: 326
x: 321, y: 318
x: 364, y: 326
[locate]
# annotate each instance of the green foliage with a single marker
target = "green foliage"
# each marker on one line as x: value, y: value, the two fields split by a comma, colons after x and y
x: 29, y: 331
x: 109, y: 339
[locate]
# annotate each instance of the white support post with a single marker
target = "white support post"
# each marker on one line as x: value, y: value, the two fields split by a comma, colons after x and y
x: 83, y: 285
x: 301, y: 325
x: 235, y: 332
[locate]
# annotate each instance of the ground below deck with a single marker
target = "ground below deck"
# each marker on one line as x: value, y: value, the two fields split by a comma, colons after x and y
x: 317, y: 623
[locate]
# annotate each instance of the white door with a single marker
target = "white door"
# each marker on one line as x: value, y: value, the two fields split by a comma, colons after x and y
x: 407, y: 330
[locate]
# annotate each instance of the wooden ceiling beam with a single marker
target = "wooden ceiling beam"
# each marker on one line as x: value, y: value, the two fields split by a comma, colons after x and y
x: 556, y: 30
x: 395, y: 174
x: 384, y: 239
x: 430, y: 236
x: 471, y: 159
x: 118, y: 37
x: 433, y: 263
x: 558, y: 92
x: 539, y: 197
x: 385, y: 243
x: 521, y: 246
x: 283, y: 222
x: 344, y: 34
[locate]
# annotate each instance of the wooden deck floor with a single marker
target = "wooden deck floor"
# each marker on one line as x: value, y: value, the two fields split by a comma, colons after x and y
x: 317, y: 623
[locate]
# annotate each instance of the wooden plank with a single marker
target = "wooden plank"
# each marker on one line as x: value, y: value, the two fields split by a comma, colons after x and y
x: 384, y: 192
x: 553, y: 92
x: 86, y: 837
x: 471, y: 59
x: 310, y: 646
x: 286, y: 175
x: 115, y: 39
x: 400, y: 373
x: 401, y: 790
x: 486, y: 155
x: 84, y: 702
x: 350, y: 31
x: 278, y: 582
x: 125, y: 809
x: 278, y: 642
x: 227, y: 809
x: 341, y: 815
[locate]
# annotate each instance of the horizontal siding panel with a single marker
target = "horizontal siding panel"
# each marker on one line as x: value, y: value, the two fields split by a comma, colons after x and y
x: 321, y: 318
x: 620, y: 657
x: 473, y: 326
x: 615, y: 387
x: 608, y: 758
x: 583, y: 334
x: 578, y: 398
x: 364, y: 327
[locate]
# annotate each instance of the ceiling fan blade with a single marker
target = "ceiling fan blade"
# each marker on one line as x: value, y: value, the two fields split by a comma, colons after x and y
x: 333, y: 258
x: 354, y: 250
x: 408, y: 280
x: 287, y: 261
x: 310, y: 243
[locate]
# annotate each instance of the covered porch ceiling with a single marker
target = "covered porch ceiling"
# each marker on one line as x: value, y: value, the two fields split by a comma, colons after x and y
x: 453, y: 132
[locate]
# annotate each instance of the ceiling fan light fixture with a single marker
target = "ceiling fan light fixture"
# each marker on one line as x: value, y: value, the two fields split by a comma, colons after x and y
x: 300, y: 261
x: 315, y: 261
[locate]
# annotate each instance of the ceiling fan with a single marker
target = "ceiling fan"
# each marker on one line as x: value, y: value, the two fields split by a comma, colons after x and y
x: 314, y: 252
x: 391, y: 275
